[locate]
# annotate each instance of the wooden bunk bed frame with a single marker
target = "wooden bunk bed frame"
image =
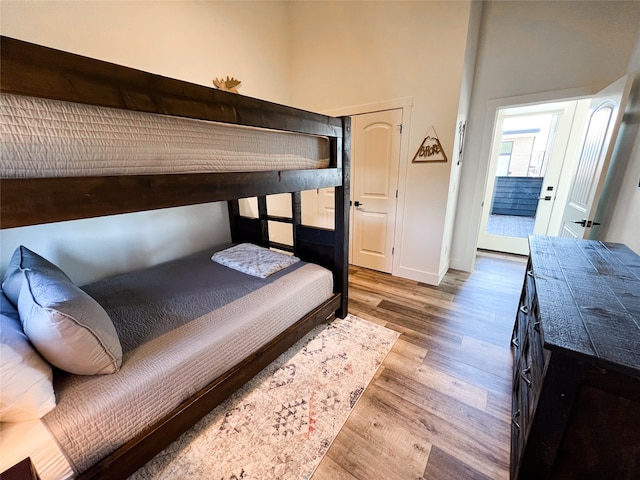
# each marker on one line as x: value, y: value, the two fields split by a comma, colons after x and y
x: 37, y: 71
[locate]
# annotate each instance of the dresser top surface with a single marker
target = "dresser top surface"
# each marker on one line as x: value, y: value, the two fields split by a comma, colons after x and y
x: 589, y: 299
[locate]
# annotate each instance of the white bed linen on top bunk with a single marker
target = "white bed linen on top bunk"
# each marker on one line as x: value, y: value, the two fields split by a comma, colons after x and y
x: 49, y: 138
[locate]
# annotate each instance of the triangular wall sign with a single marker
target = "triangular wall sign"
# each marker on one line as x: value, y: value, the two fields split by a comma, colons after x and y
x: 430, y: 149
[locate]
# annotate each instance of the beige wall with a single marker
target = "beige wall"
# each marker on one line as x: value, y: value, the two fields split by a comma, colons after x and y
x: 193, y: 41
x: 535, y: 49
x: 337, y: 55
x: 353, y: 54
x: 463, y: 117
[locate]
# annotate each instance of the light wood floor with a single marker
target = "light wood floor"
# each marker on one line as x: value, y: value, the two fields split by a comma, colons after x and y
x: 439, y: 406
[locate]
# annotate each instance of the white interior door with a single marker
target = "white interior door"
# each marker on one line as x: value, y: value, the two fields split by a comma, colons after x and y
x: 603, y: 122
x: 374, y: 173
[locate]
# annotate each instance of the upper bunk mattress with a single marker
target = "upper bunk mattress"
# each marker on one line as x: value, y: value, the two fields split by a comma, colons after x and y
x: 182, y: 324
x: 50, y: 138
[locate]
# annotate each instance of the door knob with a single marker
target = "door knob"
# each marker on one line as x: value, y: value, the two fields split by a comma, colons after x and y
x: 586, y: 223
x: 358, y: 204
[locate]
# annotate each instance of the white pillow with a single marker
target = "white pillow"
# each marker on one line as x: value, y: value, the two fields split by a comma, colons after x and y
x: 26, y: 379
x: 68, y: 327
x: 253, y: 259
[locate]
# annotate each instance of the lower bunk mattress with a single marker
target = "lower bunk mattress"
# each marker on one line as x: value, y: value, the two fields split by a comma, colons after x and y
x: 181, y: 324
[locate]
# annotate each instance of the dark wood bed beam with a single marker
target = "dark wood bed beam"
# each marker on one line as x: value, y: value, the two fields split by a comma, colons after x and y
x: 296, y: 214
x: 44, y: 200
x: 262, y: 220
x: 342, y: 209
x: 37, y: 71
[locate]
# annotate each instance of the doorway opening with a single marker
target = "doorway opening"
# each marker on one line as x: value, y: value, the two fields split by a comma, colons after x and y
x: 528, y: 173
x: 578, y: 148
x: 375, y: 168
x: 377, y: 145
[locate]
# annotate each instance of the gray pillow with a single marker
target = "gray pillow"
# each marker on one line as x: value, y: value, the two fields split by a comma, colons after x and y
x: 68, y: 327
x: 24, y: 259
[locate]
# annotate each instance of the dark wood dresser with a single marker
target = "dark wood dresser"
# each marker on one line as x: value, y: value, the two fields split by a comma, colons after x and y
x: 576, y: 363
x: 23, y: 470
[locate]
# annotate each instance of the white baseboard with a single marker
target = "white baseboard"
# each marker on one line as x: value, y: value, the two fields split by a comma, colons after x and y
x: 419, y: 275
x: 461, y: 264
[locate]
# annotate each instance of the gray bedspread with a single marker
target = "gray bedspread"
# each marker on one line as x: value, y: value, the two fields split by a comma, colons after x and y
x: 181, y: 324
x: 172, y: 294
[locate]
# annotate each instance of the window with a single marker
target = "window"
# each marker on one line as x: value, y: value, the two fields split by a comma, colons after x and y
x: 504, y: 159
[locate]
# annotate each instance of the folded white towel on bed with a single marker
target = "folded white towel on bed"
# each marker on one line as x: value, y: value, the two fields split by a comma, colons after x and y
x: 254, y: 260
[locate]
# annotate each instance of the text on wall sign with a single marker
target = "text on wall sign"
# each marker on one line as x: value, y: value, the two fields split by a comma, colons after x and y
x: 430, y: 149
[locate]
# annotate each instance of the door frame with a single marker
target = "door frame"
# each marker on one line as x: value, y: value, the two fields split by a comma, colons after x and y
x: 563, y: 136
x: 378, y: 207
x: 467, y: 264
x: 406, y: 104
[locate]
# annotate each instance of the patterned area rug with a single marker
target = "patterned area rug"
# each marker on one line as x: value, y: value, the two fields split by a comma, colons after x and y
x: 280, y: 425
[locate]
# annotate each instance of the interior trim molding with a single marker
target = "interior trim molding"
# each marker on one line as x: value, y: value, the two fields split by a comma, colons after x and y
x: 370, y: 107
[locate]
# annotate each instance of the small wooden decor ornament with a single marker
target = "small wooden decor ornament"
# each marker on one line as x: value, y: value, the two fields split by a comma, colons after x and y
x: 228, y: 85
x: 430, y: 149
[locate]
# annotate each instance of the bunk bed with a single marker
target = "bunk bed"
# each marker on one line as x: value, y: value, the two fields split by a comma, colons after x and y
x: 32, y: 194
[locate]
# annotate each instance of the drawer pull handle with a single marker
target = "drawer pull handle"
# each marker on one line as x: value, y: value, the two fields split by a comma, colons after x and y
x: 514, y: 342
x: 514, y: 417
x: 524, y: 374
x: 530, y: 273
x: 536, y: 326
x: 524, y: 309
